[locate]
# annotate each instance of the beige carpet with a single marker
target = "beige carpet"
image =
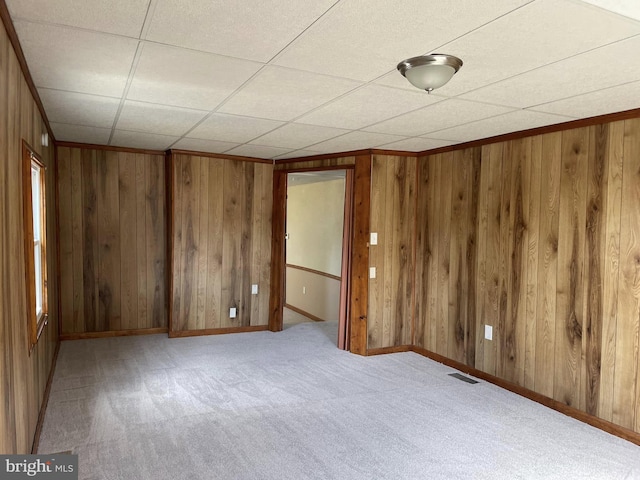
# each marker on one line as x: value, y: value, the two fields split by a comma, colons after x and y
x: 290, y: 405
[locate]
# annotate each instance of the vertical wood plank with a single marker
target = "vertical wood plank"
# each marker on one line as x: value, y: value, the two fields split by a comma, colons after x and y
x: 533, y: 253
x: 90, y: 240
x: 109, y: 241
x: 625, y: 397
x: 594, y: 268
x: 204, y: 190
x: 376, y: 252
x: 231, y: 245
x: 142, y: 319
x: 458, y: 281
x: 492, y: 155
x: 611, y: 268
x: 360, y: 255
x: 77, y: 230
x: 215, y: 215
x: 548, y: 263
x: 482, y: 306
x: 246, y: 241
x: 444, y: 194
x: 66, y: 243
x: 265, y: 235
x: 128, y: 234
x: 569, y: 308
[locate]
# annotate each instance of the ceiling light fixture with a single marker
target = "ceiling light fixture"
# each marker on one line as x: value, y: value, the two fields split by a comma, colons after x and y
x: 428, y: 72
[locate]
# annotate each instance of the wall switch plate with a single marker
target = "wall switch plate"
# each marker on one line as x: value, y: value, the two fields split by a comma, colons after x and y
x: 372, y: 272
x: 374, y: 238
x: 254, y: 289
x: 488, y: 332
x: 233, y: 312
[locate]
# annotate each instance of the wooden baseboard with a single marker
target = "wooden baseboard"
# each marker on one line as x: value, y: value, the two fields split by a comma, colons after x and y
x: 113, y: 333
x: 45, y: 401
x: 302, y: 312
x: 385, y: 350
x: 592, y: 420
x: 217, y: 331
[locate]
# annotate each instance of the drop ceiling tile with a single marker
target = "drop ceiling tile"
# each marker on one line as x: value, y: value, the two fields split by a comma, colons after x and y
x: 186, y: 78
x: 446, y: 114
x: 367, y: 105
x: 537, y: 34
x: 76, y: 60
x: 283, y: 94
x: 79, y: 108
x: 121, y: 17
x: 258, y: 151
x: 363, y: 39
x: 601, y: 102
x: 576, y: 75
x: 149, y: 141
x: 199, y: 145
x: 354, y: 141
x: 232, y: 128
x: 151, y: 118
x: 240, y: 28
x: 622, y: 7
x: 417, y: 144
x: 295, y: 135
x: 489, y: 127
x: 80, y: 133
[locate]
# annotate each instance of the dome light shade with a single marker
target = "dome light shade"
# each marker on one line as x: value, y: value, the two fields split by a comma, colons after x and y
x: 429, y: 72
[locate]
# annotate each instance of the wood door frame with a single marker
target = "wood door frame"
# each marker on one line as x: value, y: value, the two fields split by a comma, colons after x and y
x: 356, y: 302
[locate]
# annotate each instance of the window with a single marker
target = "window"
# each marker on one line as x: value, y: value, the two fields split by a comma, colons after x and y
x: 35, y: 242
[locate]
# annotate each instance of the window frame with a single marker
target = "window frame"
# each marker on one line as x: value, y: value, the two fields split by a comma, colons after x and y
x: 37, y: 322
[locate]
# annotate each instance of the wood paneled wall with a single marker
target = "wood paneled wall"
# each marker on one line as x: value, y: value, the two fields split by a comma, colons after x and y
x: 393, y: 212
x: 221, y: 242
x: 539, y: 238
x: 112, y: 240
x: 23, y: 375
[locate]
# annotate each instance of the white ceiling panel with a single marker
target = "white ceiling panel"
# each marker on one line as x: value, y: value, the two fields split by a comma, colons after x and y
x: 437, y: 117
x: 79, y: 108
x: 231, y: 128
x: 121, y: 17
x: 354, y: 141
x: 151, y: 118
x: 295, y: 135
x: 199, y: 145
x: 510, y: 122
x: 363, y: 39
x: 186, y: 78
x: 80, y: 133
x: 576, y: 75
x: 367, y: 105
x: 150, y: 141
x: 240, y: 28
x: 610, y: 100
x: 628, y: 8
x: 537, y: 34
x: 417, y: 144
x: 76, y: 60
x: 258, y: 151
x: 283, y: 94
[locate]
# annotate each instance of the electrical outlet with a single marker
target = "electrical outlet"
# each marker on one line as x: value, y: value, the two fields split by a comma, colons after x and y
x: 488, y: 332
x: 372, y: 272
x: 233, y: 312
x: 254, y: 289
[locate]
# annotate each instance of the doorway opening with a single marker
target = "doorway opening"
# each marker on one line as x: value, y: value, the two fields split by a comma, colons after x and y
x: 315, y: 274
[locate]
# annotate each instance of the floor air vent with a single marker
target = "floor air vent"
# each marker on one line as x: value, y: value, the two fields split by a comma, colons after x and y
x: 459, y: 376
